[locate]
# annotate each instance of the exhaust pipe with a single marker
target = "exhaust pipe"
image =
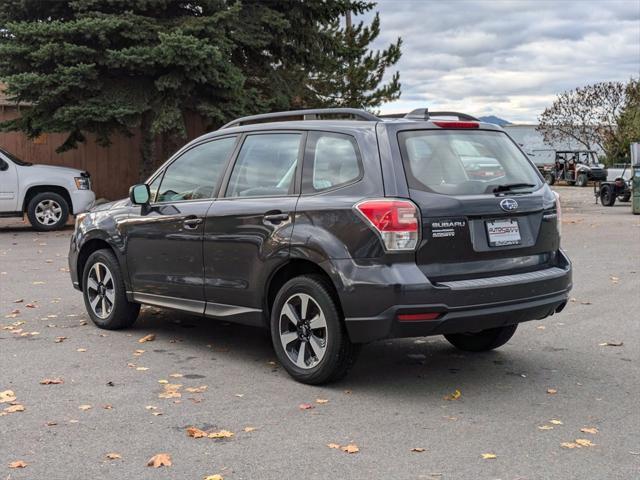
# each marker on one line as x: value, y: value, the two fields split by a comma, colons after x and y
x: 561, y: 307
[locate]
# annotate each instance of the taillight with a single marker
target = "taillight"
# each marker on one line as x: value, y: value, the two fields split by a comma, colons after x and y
x: 451, y: 124
x: 397, y: 222
x: 558, y: 213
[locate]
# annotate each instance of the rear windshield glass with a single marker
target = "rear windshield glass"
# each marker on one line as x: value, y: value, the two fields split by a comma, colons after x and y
x: 465, y: 162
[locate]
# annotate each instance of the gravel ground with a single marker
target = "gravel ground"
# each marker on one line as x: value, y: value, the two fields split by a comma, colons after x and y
x: 519, y: 403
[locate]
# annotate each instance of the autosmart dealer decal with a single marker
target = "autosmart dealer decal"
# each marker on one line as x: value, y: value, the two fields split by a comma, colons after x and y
x: 446, y: 227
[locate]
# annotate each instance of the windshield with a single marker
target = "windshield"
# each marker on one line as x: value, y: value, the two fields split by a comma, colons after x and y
x: 14, y: 159
x: 465, y: 162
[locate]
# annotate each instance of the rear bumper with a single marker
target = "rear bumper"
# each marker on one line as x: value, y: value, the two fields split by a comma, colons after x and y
x: 372, y: 297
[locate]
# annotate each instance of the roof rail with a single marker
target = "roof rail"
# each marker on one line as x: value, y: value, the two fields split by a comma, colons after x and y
x: 425, y: 114
x: 310, y: 114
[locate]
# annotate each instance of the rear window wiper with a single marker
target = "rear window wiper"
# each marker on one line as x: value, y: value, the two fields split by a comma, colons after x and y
x: 510, y: 186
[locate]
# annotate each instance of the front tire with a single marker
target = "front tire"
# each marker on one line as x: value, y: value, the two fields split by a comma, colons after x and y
x: 47, y: 211
x: 104, y: 293
x: 482, y: 341
x: 582, y: 180
x: 308, y: 333
x: 550, y: 178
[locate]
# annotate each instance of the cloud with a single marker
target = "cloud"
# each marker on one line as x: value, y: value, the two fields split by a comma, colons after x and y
x: 508, y: 58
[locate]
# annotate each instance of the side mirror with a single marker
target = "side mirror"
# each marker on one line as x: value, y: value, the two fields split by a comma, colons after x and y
x: 139, y: 194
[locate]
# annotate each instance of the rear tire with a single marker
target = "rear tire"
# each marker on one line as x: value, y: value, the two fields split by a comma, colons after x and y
x: 105, y: 296
x: 482, y: 341
x: 316, y: 330
x: 582, y: 180
x: 607, y: 198
x: 47, y: 211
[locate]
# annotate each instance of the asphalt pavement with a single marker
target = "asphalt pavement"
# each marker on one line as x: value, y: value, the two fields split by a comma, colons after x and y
x: 571, y: 379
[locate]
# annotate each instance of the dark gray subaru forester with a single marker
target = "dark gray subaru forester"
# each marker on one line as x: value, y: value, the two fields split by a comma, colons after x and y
x: 334, y: 228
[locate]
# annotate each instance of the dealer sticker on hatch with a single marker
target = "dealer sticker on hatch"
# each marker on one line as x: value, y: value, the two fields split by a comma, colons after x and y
x: 503, y: 232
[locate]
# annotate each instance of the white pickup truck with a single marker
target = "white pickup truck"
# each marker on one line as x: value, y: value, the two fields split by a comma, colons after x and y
x: 46, y: 193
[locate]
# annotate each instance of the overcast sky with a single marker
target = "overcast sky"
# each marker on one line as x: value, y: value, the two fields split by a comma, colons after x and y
x: 507, y: 58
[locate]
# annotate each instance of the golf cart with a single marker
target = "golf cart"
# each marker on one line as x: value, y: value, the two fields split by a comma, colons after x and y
x: 576, y: 167
x: 608, y: 191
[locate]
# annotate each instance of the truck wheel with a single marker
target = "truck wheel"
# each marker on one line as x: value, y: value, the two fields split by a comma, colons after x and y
x: 105, y: 296
x: 308, y: 334
x: 550, y: 178
x: 582, y: 180
x: 482, y: 341
x: 626, y: 197
x: 48, y: 211
x: 607, y: 198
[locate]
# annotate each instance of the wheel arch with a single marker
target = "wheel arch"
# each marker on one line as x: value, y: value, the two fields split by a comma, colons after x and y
x: 294, y: 267
x: 34, y: 190
x: 88, y: 247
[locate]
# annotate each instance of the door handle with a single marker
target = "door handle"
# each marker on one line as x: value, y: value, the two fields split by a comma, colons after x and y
x: 276, y: 217
x: 192, y: 222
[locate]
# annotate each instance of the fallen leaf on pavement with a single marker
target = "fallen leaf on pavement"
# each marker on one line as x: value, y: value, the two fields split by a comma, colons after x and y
x: 85, y: 407
x: 214, y: 477
x: 142, y: 369
x: 113, y: 456
x: 305, y: 406
x: 176, y: 375
x: 160, y: 460
x: 322, y: 401
x: 611, y: 344
x: 545, y: 427
x: 489, y: 456
x: 199, y: 389
x: 249, y: 429
x: 60, y: 339
x: 196, y: 432
x: 171, y: 391
x: 418, y: 449
x: 569, y: 445
x: 14, y: 408
x: 552, y: 391
x: 591, y: 430
x: 583, y: 442
x: 221, y: 434
x: 18, y: 300
x: 7, y: 396
x: 147, y: 338
x: 18, y: 464
x: 81, y: 350
x: 333, y: 445
x: 51, y: 381
x: 351, y: 448
x: 556, y: 422
x: 453, y: 396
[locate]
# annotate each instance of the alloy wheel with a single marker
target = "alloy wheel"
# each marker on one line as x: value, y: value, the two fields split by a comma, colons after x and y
x: 100, y: 290
x: 48, y: 212
x: 303, y: 331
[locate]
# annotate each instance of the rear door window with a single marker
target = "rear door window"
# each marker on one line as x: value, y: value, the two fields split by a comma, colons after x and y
x: 461, y: 162
x: 266, y: 166
x: 332, y: 160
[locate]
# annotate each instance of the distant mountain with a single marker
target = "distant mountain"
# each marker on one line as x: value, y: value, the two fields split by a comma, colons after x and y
x: 495, y: 120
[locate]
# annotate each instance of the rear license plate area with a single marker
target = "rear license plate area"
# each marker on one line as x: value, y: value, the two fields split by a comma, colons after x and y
x: 503, y: 232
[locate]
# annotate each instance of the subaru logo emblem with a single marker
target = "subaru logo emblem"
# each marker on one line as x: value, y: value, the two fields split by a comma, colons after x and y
x: 509, y: 205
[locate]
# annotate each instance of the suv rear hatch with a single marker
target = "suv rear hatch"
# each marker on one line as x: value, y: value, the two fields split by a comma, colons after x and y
x: 485, y: 209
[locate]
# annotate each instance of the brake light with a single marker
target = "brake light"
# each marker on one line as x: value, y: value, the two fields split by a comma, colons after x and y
x: 395, y: 220
x: 450, y: 124
x: 558, y: 213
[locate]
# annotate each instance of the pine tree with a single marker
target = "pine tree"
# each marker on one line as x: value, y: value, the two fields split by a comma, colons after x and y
x: 354, y: 74
x: 106, y: 66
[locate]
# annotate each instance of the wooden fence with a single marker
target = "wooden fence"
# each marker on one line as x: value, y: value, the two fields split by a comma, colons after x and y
x: 113, y: 169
